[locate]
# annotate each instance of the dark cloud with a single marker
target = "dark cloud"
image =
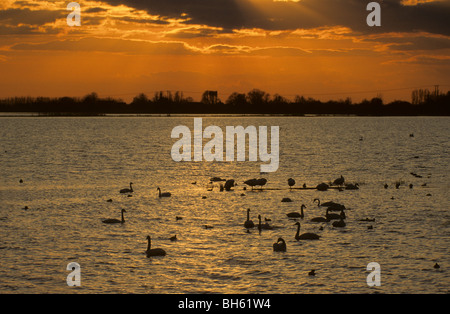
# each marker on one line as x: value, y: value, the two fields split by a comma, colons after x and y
x: 29, y: 17
x: 236, y: 14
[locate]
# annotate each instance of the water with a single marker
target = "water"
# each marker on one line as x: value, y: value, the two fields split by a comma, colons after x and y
x: 71, y: 166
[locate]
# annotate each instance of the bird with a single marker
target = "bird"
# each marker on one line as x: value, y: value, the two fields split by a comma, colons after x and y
x: 411, y: 186
x: 264, y: 226
x: 248, y: 223
x: 291, y: 182
x: 339, y: 181
x: 304, y: 185
x: 208, y: 227
x: 436, y: 266
x: 20, y: 181
x: 115, y: 221
x: 109, y: 201
x: 312, y: 272
x: 286, y: 200
x: 297, y: 215
x: 386, y: 186
x: 335, y: 216
x: 320, y: 219
x: 251, y: 182
x: 174, y: 238
x: 261, y: 182
x: 279, y: 246
x: 326, y: 204
x: 130, y: 190
x: 305, y: 236
x: 165, y: 194
x: 352, y: 186
x: 229, y: 184
x: 397, y: 185
x: 153, y: 252
x: 322, y: 187
x: 370, y: 227
x: 339, y: 224
x: 178, y: 218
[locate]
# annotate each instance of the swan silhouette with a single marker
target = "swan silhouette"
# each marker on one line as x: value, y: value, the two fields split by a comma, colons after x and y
x: 174, y: 238
x: 248, y: 223
x: 339, y: 181
x: 305, y: 236
x: 165, y: 194
x: 297, y: 215
x: 130, y: 190
x: 280, y: 245
x: 335, y: 216
x: 326, y: 204
x: 264, y: 226
x: 115, y: 221
x: 339, y: 224
x: 153, y: 252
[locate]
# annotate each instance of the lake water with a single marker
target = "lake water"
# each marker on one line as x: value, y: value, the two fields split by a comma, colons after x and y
x: 71, y: 166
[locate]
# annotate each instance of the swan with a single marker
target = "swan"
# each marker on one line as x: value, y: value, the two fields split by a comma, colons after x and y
x: 291, y: 182
x: 436, y: 266
x: 286, y: 200
x: 279, y: 246
x: 321, y: 219
x: 352, y: 186
x: 248, y: 223
x: 312, y: 272
x: 335, y: 216
x: 130, y: 190
x: 153, y: 252
x: 339, y: 181
x: 305, y: 236
x: 115, y: 221
x: 165, y: 194
x: 174, y: 238
x: 322, y: 187
x: 339, y: 224
x: 265, y: 226
x: 297, y: 215
x: 326, y: 204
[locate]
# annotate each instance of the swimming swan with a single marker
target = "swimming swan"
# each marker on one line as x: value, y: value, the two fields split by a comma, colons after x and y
x: 279, y: 246
x: 297, y: 215
x: 115, y: 221
x: 153, y: 252
x: 130, y: 190
x: 248, y: 223
x: 305, y: 236
x: 165, y: 194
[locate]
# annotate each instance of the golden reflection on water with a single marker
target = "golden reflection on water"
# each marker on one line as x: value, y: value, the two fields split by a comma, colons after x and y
x: 71, y: 166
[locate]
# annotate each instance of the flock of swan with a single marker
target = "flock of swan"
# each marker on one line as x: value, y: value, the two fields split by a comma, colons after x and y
x: 338, y: 220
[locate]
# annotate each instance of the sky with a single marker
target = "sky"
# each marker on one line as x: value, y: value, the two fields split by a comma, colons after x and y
x: 314, y: 48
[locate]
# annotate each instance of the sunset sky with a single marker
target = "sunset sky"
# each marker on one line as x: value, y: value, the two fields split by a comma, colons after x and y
x: 316, y: 48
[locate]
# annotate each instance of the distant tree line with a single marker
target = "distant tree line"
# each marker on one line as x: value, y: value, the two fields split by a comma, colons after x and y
x: 423, y: 102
